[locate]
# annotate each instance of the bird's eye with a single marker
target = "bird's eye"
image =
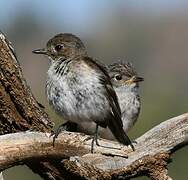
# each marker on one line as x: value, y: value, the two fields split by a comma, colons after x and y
x: 59, y: 47
x: 118, y: 77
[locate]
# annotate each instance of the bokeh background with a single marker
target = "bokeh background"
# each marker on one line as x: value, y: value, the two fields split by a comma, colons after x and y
x: 152, y: 34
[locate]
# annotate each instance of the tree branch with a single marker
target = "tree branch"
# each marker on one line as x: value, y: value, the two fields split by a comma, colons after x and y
x: 153, y: 150
x: 19, y: 105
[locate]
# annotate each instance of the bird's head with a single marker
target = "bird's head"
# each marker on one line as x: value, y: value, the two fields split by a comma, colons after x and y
x: 62, y: 46
x: 123, y: 74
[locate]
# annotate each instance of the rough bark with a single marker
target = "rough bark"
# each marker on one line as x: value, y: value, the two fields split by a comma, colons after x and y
x: 70, y: 158
x: 19, y: 109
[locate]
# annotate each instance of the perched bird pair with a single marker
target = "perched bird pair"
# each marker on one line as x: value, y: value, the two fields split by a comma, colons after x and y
x: 81, y: 91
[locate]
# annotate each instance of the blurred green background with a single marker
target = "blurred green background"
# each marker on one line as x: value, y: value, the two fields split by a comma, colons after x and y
x: 152, y: 34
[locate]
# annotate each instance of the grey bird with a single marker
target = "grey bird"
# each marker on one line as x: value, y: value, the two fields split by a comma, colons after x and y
x: 125, y: 82
x: 79, y: 88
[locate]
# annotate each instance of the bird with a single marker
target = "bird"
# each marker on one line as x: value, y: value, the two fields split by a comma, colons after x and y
x: 125, y: 82
x: 79, y: 87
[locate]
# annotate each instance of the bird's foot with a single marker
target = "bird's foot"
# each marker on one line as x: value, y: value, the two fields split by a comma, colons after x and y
x: 97, y: 142
x: 68, y: 126
x: 56, y: 133
x: 95, y: 139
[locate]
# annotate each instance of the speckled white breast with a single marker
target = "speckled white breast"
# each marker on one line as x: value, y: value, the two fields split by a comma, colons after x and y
x: 76, y: 94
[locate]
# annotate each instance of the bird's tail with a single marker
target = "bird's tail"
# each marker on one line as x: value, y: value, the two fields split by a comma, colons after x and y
x: 119, y: 133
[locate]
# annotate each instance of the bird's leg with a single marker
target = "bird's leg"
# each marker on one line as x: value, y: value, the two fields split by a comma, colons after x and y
x: 61, y: 128
x: 95, y: 138
x: 67, y: 126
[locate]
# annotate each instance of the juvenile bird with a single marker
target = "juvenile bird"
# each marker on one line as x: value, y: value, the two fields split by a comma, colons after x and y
x: 125, y: 82
x: 79, y: 88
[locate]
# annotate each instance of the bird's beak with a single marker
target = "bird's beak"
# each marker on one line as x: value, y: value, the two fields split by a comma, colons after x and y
x: 138, y: 79
x: 40, y: 51
x: 134, y: 79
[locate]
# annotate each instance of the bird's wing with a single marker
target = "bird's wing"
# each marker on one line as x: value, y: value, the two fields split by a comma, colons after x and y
x: 113, y: 119
x: 109, y: 91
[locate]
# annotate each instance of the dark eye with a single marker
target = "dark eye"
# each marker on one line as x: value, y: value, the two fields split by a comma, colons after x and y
x: 118, y: 77
x: 59, y: 47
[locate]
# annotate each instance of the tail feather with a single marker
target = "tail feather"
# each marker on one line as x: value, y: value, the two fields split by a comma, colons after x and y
x: 119, y: 133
